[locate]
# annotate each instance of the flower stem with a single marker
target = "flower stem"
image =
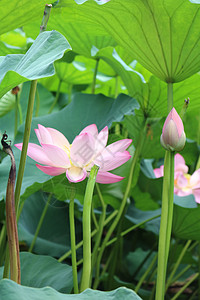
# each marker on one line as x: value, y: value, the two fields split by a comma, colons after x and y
x: 170, y: 204
x: 148, y: 270
x: 56, y: 98
x: 116, y: 86
x: 25, y: 142
x: 6, y: 271
x: 68, y: 253
x: 166, y: 214
x: 16, y: 114
x: 73, y: 239
x: 177, y: 263
x: 45, y: 18
x: 40, y: 223
x: 100, y: 229
x: 162, y: 255
x: 123, y: 204
x: 170, y: 96
x: 85, y: 281
x: 37, y: 103
x: 2, y: 244
x: 95, y: 76
x: 185, y: 286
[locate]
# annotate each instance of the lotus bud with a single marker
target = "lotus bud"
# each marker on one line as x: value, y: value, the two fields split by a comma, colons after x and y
x: 173, y: 136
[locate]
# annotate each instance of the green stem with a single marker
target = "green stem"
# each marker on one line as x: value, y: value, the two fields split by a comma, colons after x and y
x: 170, y: 96
x: 56, y: 98
x: 6, y: 270
x: 123, y: 204
x: 25, y: 142
x: 100, y: 229
x: 167, y: 213
x: 85, y: 281
x: 94, y: 217
x: 131, y: 229
x: 2, y: 244
x: 160, y: 284
x: 177, y: 264
x: 40, y: 223
x: 16, y: 114
x: 73, y: 239
x: 80, y: 244
x: 148, y: 270
x: 37, y: 108
x: 181, y: 273
x: 116, y: 86
x: 170, y: 204
x: 95, y: 76
x: 45, y: 18
x: 199, y: 270
x: 185, y: 286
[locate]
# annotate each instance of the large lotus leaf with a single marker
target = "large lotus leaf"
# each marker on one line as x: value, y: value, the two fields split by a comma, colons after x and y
x: 136, y: 216
x: 74, y: 73
x: 12, y: 291
x: 53, y: 238
x: 40, y: 270
x: 6, y: 49
x: 43, y: 96
x: 80, y: 36
x: 152, y: 95
x: 152, y: 31
x: 83, y: 110
x: 36, y: 63
x: 7, y: 103
x: 16, y: 14
x: 186, y: 223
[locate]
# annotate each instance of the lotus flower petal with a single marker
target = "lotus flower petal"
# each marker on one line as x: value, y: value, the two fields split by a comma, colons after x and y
x: 92, y: 129
x: 106, y: 177
x: 53, y: 171
x: 117, y: 160
x: 76, y: 174
x: 36, y: 153
x: 82, y: 149
x: 58, y: 138
x: 43, y: 135
x: 57, y: 156
x: 77, y: 159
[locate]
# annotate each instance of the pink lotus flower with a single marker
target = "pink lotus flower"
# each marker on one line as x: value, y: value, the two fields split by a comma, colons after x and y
x: 173, y: 135
x: 184, y: 183
x: 77, y: 159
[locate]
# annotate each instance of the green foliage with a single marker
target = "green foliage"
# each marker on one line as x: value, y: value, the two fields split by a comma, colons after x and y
x: 10, y: 290
x: 36, y: 63
x: 138, y: 47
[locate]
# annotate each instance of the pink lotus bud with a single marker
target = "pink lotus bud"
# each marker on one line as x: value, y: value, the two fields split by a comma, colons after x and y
x: 173, y: 136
